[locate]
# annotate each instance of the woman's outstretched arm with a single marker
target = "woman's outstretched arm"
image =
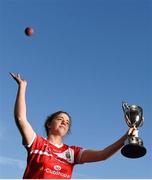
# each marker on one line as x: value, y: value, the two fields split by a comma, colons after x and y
x: 100, y: 155
x: 23, y: 125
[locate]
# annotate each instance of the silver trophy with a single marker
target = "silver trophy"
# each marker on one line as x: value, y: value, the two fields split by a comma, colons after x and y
x: 133, y: 146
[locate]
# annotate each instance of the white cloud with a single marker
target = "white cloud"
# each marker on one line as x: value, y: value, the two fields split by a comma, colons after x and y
x: 12, y: 161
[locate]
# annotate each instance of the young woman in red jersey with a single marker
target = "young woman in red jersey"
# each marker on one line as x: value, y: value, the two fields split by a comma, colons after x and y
x: 50, y: 158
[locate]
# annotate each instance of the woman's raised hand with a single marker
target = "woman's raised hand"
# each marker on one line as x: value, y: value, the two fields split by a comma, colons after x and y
x: 133, y: 132
x: 18, y: 79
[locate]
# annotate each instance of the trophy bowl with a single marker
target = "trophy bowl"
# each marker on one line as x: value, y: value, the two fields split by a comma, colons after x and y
x: 133, y: 146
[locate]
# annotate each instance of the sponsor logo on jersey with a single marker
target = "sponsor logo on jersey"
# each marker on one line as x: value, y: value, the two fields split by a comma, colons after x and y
x: 55, y: 172
x: 57, y: 167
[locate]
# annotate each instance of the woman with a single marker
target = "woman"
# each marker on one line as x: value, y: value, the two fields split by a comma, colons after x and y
x: 50, y: 158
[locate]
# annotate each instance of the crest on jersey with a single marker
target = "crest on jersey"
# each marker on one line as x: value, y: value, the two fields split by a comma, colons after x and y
x: 68, y: 155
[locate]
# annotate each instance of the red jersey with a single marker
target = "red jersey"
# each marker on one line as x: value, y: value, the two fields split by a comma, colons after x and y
x: 47, y: 161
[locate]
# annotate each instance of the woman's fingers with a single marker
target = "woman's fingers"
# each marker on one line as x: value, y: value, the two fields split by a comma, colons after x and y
x: 18, y: 75
x: 133, y: 132
x: 15, y: 76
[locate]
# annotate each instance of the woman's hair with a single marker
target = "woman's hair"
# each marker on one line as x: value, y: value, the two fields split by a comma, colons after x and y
x: 53, y: 116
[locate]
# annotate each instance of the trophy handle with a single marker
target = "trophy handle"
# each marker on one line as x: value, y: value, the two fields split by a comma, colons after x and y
x: 141, y: 122
x: 126, y: 109
x: 142, y: 117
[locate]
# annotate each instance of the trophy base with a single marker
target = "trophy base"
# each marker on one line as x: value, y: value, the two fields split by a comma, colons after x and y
x: 133, y: 151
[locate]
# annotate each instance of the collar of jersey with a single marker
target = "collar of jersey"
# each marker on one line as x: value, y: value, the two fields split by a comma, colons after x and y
x: 56, y: 145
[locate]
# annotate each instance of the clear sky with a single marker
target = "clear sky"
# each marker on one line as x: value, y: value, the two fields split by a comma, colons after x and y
x: 85, y: 57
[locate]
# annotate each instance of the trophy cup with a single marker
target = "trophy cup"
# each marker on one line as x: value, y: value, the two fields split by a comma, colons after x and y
x: 133, y: 146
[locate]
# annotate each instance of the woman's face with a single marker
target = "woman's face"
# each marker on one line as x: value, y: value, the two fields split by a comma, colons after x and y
x: 60, y: 125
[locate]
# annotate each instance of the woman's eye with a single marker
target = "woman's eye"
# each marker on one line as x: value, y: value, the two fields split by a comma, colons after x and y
x: 58, y: 119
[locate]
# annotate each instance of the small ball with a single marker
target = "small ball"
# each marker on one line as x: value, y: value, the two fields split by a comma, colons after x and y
x: 29, y: 31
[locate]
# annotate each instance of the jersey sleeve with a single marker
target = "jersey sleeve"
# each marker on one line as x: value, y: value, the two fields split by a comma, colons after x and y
x: 36, y: 142
x: 77, y: 154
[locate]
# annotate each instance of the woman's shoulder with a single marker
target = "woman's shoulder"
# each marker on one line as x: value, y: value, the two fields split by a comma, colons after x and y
x: 74, y: 147
x: 39, y: 139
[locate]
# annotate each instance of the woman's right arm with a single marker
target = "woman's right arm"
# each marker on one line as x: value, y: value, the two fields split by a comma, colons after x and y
x: 23, y: 125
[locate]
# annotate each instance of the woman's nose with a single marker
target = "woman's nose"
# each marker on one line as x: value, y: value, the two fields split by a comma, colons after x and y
x: 63, y: 122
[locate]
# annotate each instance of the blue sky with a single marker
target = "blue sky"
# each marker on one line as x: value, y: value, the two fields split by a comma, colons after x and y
x: 85, y: 57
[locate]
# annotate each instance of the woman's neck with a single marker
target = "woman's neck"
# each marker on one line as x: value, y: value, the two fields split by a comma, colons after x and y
x: 55, y: 139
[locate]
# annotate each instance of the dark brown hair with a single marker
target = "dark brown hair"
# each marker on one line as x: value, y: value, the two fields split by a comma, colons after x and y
x: 54, y: 115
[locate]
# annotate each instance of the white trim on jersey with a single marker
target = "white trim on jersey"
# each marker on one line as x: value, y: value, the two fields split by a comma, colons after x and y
x: 79, y: 156
x: 57, y: 145
x: 29, y: 145
x: 37, y: 151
